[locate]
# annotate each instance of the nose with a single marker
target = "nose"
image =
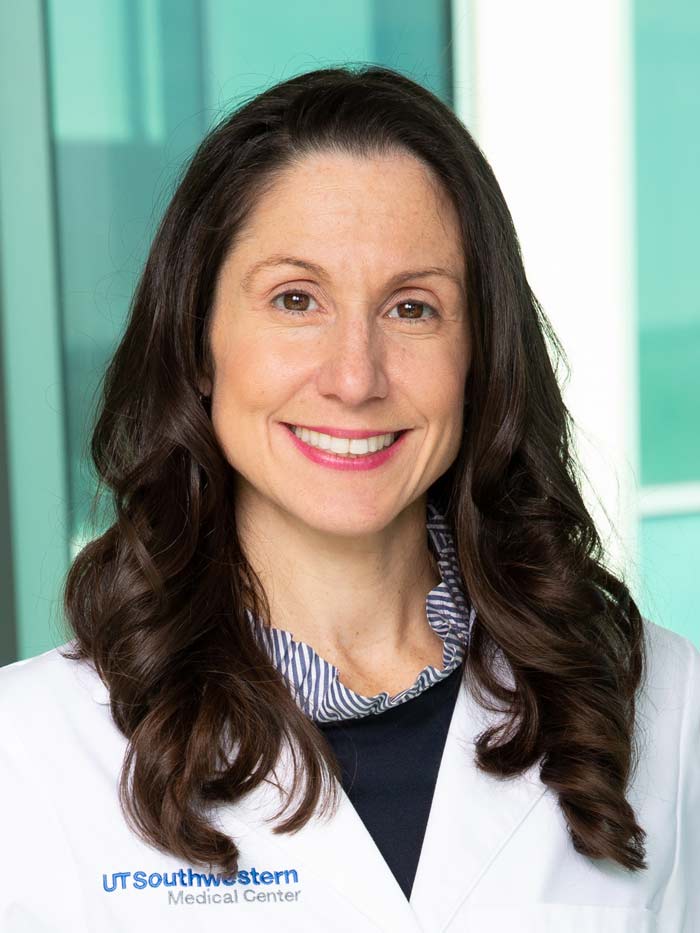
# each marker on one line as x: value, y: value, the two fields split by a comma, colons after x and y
x: 353, y: 360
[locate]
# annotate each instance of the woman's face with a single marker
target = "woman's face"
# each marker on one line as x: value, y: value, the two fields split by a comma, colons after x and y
x: 326, y: 315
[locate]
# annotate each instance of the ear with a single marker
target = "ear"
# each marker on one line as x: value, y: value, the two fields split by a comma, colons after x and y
x: 204, y: 385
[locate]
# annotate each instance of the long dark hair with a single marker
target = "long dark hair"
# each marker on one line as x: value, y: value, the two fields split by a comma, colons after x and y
x: 157, y: 602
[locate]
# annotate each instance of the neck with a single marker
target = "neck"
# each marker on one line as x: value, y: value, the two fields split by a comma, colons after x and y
x: 358, y: 602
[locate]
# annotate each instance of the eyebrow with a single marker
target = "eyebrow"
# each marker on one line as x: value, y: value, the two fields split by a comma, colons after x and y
x: 320, y: 272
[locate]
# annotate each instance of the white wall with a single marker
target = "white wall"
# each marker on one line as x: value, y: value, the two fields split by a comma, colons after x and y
x: 546, y: 89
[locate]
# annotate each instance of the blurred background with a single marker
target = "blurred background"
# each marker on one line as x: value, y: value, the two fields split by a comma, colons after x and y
x: 588, y: 115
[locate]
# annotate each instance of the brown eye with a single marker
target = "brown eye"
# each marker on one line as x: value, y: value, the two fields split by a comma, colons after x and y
x: 415, y: 308
x: 294, y: 302
x: 415, y: 311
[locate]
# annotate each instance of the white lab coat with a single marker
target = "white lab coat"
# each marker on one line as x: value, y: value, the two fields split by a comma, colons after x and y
x: 496, y: 855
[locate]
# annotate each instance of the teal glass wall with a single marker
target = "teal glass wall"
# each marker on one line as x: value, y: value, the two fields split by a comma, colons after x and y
x: 667, y: 83
x: 131, y: 87
x: 670, y: 545
x: 667, y: 58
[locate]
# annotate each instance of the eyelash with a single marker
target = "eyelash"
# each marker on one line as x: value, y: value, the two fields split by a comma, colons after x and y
x: 295, y: 291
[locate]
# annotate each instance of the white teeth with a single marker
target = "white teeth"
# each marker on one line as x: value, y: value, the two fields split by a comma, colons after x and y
x: 344, y: 446
x: 359, y: 445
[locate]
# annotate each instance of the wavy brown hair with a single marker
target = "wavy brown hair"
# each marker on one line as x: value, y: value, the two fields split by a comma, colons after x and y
x: 158, y: 601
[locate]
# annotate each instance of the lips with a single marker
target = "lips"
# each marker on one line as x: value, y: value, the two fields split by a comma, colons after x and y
x: 359, y: 460
x: 350, y: 433
x: 345, y: 446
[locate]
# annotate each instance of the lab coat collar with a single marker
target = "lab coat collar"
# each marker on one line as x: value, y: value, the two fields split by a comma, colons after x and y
x: 472, y: 818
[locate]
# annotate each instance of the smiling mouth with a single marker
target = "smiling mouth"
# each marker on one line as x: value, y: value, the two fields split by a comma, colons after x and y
x: 345, y: 446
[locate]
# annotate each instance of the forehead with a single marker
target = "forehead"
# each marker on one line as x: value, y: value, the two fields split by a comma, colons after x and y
x: 369, y: 210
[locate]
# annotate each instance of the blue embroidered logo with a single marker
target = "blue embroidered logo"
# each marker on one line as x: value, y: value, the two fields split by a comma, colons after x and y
x: 187, y: 878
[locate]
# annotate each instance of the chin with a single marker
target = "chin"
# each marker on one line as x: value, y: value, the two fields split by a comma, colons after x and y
x: 337, y: 515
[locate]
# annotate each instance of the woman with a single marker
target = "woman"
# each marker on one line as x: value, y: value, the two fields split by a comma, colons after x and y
x: 348, y: 545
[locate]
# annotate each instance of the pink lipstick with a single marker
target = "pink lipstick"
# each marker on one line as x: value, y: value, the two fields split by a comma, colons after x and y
x: 368, y: 461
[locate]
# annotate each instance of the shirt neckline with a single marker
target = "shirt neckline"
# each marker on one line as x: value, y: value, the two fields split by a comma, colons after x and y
x: 313, y: 681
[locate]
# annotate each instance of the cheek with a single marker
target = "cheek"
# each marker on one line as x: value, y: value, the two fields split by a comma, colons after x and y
x: 456, y: 376
x: 437, y: 386
x: 451, y: 411
x: 254, y: 374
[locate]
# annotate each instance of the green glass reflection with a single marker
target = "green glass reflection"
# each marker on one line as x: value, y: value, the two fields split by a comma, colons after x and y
x: 670, y: 592
x: 667, y: 74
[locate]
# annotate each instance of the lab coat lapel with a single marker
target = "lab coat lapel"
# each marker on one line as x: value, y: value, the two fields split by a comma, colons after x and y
x: 337, y: 851
x: 472, y: 818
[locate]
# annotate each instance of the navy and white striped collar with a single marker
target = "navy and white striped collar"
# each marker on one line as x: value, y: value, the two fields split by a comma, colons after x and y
x: 314, y: 681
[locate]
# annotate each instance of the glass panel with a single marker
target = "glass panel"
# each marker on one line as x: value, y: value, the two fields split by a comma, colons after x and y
x: 134, y: 85
x: 669, y: 570
x: 667, y: 65
x: 127, y: 108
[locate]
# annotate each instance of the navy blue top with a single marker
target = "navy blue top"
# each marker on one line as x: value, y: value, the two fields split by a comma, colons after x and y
x: 390, y: 763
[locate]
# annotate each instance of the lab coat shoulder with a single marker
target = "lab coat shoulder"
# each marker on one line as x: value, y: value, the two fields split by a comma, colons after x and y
x: 670, y: 771
x: 42, y: 700
x: 50, y: 705
x: 27, y: 685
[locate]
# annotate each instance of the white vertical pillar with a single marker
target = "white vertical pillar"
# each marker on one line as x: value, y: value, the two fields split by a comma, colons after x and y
x: 552, y: 109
